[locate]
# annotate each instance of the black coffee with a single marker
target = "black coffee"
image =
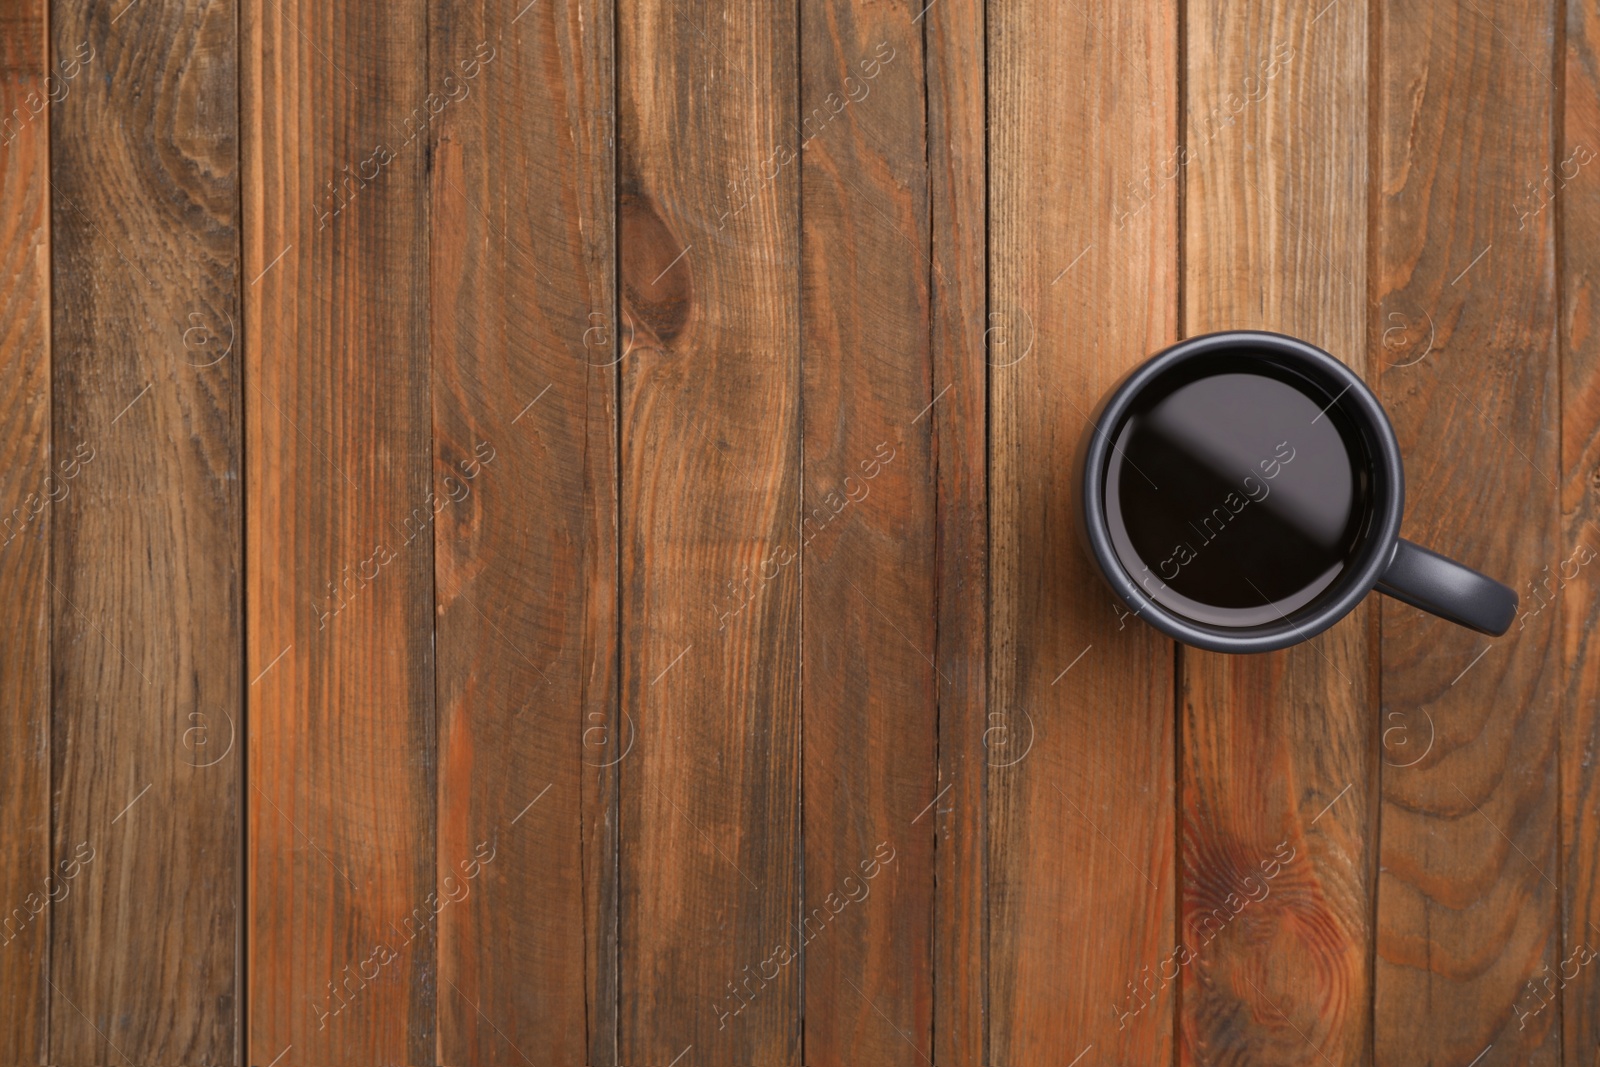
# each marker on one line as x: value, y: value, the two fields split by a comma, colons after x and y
x: 1237, y: 497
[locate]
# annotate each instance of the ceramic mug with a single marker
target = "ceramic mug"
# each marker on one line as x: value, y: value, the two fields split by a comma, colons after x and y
x: 1242, y: 492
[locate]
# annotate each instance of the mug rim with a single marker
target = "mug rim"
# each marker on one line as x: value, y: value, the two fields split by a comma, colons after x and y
x: 1355, y: 399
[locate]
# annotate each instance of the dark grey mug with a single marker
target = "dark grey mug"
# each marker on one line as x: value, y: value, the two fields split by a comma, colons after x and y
x: 1242, y: 492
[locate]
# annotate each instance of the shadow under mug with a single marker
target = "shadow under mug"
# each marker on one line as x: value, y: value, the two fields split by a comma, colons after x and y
x: 1242, y: 492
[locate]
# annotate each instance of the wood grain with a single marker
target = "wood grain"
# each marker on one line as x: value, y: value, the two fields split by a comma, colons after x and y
x: 1083, y: 285
x: 146, y: 548
x: 866, y: 538
x: 1278, y: 759
x: 1576, y: 207
x: 710, y: 508
x: 342, y: 517
x: 1467, y: 902
x: 513, y: 509
x: 954, y: 66
x: 523, y: 303
x: 30, y: 882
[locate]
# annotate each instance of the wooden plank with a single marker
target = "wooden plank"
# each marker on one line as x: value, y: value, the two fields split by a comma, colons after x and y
x: 1467, y: 902
x: 30, y: 882
x: 1277, y: 758
x: 867, y: 537
x: 525, y: 439
x: 1576, y: 207
x: 146, y: 549
x: 954, y: 66
x: 342, y: 512
x: 1083, y: 286
x: 710, y: 453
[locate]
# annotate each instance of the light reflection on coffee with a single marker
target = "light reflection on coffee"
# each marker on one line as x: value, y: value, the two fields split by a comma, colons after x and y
x: 1234, y: 497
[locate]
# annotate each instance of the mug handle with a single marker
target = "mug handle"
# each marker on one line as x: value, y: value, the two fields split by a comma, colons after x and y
x: 1450, y: 590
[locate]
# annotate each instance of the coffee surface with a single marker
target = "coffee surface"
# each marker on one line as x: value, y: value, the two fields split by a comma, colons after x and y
x: 1234, y: 499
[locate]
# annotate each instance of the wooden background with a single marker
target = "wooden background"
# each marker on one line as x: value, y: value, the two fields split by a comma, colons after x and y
x: 538, y: 532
